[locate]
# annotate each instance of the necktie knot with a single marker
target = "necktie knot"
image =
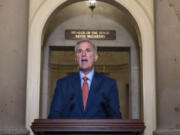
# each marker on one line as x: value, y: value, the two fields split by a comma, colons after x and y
x: 85, y: 78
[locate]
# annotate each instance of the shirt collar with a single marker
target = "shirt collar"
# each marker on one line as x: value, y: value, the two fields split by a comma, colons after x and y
x: 89, y: 75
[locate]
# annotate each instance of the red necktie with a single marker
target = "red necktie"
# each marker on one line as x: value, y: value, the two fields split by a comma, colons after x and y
x: 85, y: 91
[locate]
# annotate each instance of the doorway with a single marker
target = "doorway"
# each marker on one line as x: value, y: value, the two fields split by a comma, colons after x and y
x: 112, y: 62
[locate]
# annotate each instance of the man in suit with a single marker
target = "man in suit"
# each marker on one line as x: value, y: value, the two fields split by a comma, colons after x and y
x: 85, y: 94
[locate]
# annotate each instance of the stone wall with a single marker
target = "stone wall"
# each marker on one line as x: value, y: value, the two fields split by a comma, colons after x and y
x: 13, y: 45
x: 168, y: 66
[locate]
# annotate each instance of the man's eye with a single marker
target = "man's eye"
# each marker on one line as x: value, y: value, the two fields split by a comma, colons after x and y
x: 79, y: 51
x: 88, y: 50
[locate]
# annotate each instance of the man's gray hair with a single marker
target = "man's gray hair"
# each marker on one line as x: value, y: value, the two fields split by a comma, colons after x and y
x: 87, y: 41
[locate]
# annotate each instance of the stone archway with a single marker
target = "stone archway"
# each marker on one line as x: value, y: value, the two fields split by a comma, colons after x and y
x: 146, y: 38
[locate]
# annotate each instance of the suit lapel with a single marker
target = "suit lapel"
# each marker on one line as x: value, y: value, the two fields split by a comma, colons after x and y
x: 95, y: 87
x: 76, y: 83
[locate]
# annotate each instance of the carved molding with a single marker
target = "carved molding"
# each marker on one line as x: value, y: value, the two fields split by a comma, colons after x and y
x: 175, y: 4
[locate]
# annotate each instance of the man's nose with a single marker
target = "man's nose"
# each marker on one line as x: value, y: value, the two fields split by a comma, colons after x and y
x: 84, y: 53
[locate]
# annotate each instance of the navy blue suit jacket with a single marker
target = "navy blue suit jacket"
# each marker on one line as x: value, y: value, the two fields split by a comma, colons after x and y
x: 102, y: 100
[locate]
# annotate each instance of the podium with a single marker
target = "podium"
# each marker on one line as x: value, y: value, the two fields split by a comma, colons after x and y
x: 87, y: 127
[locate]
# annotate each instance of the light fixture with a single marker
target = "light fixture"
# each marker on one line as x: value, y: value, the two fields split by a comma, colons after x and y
x: 92, y: 4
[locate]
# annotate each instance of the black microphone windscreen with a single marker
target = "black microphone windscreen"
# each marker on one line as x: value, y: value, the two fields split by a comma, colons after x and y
x: 72, y: 107
x: 104, y: 96
x: 72, y: 96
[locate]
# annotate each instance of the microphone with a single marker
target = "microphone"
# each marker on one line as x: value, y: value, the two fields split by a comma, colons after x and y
x: 108, y: 108
x: 72, y: 107
x: 67, y: 104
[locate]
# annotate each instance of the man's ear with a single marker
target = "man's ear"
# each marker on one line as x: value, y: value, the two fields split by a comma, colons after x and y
x: 96, y: 57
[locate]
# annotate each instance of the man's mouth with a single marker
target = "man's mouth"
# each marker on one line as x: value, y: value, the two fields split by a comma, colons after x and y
x: 84, y: 60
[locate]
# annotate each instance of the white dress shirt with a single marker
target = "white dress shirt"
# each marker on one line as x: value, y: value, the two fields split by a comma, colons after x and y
x: 89, y: 76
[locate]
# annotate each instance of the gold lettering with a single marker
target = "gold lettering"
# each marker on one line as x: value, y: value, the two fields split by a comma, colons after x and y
x: 102, y: 36
x: 94, y: 32
x: 76, y: 36
x: 80, y: 36
x: 87, y: 32
x: 89, y: 36
x: 73, y: 32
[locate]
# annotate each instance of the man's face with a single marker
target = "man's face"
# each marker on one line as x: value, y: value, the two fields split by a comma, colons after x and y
x: 85, y: 57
